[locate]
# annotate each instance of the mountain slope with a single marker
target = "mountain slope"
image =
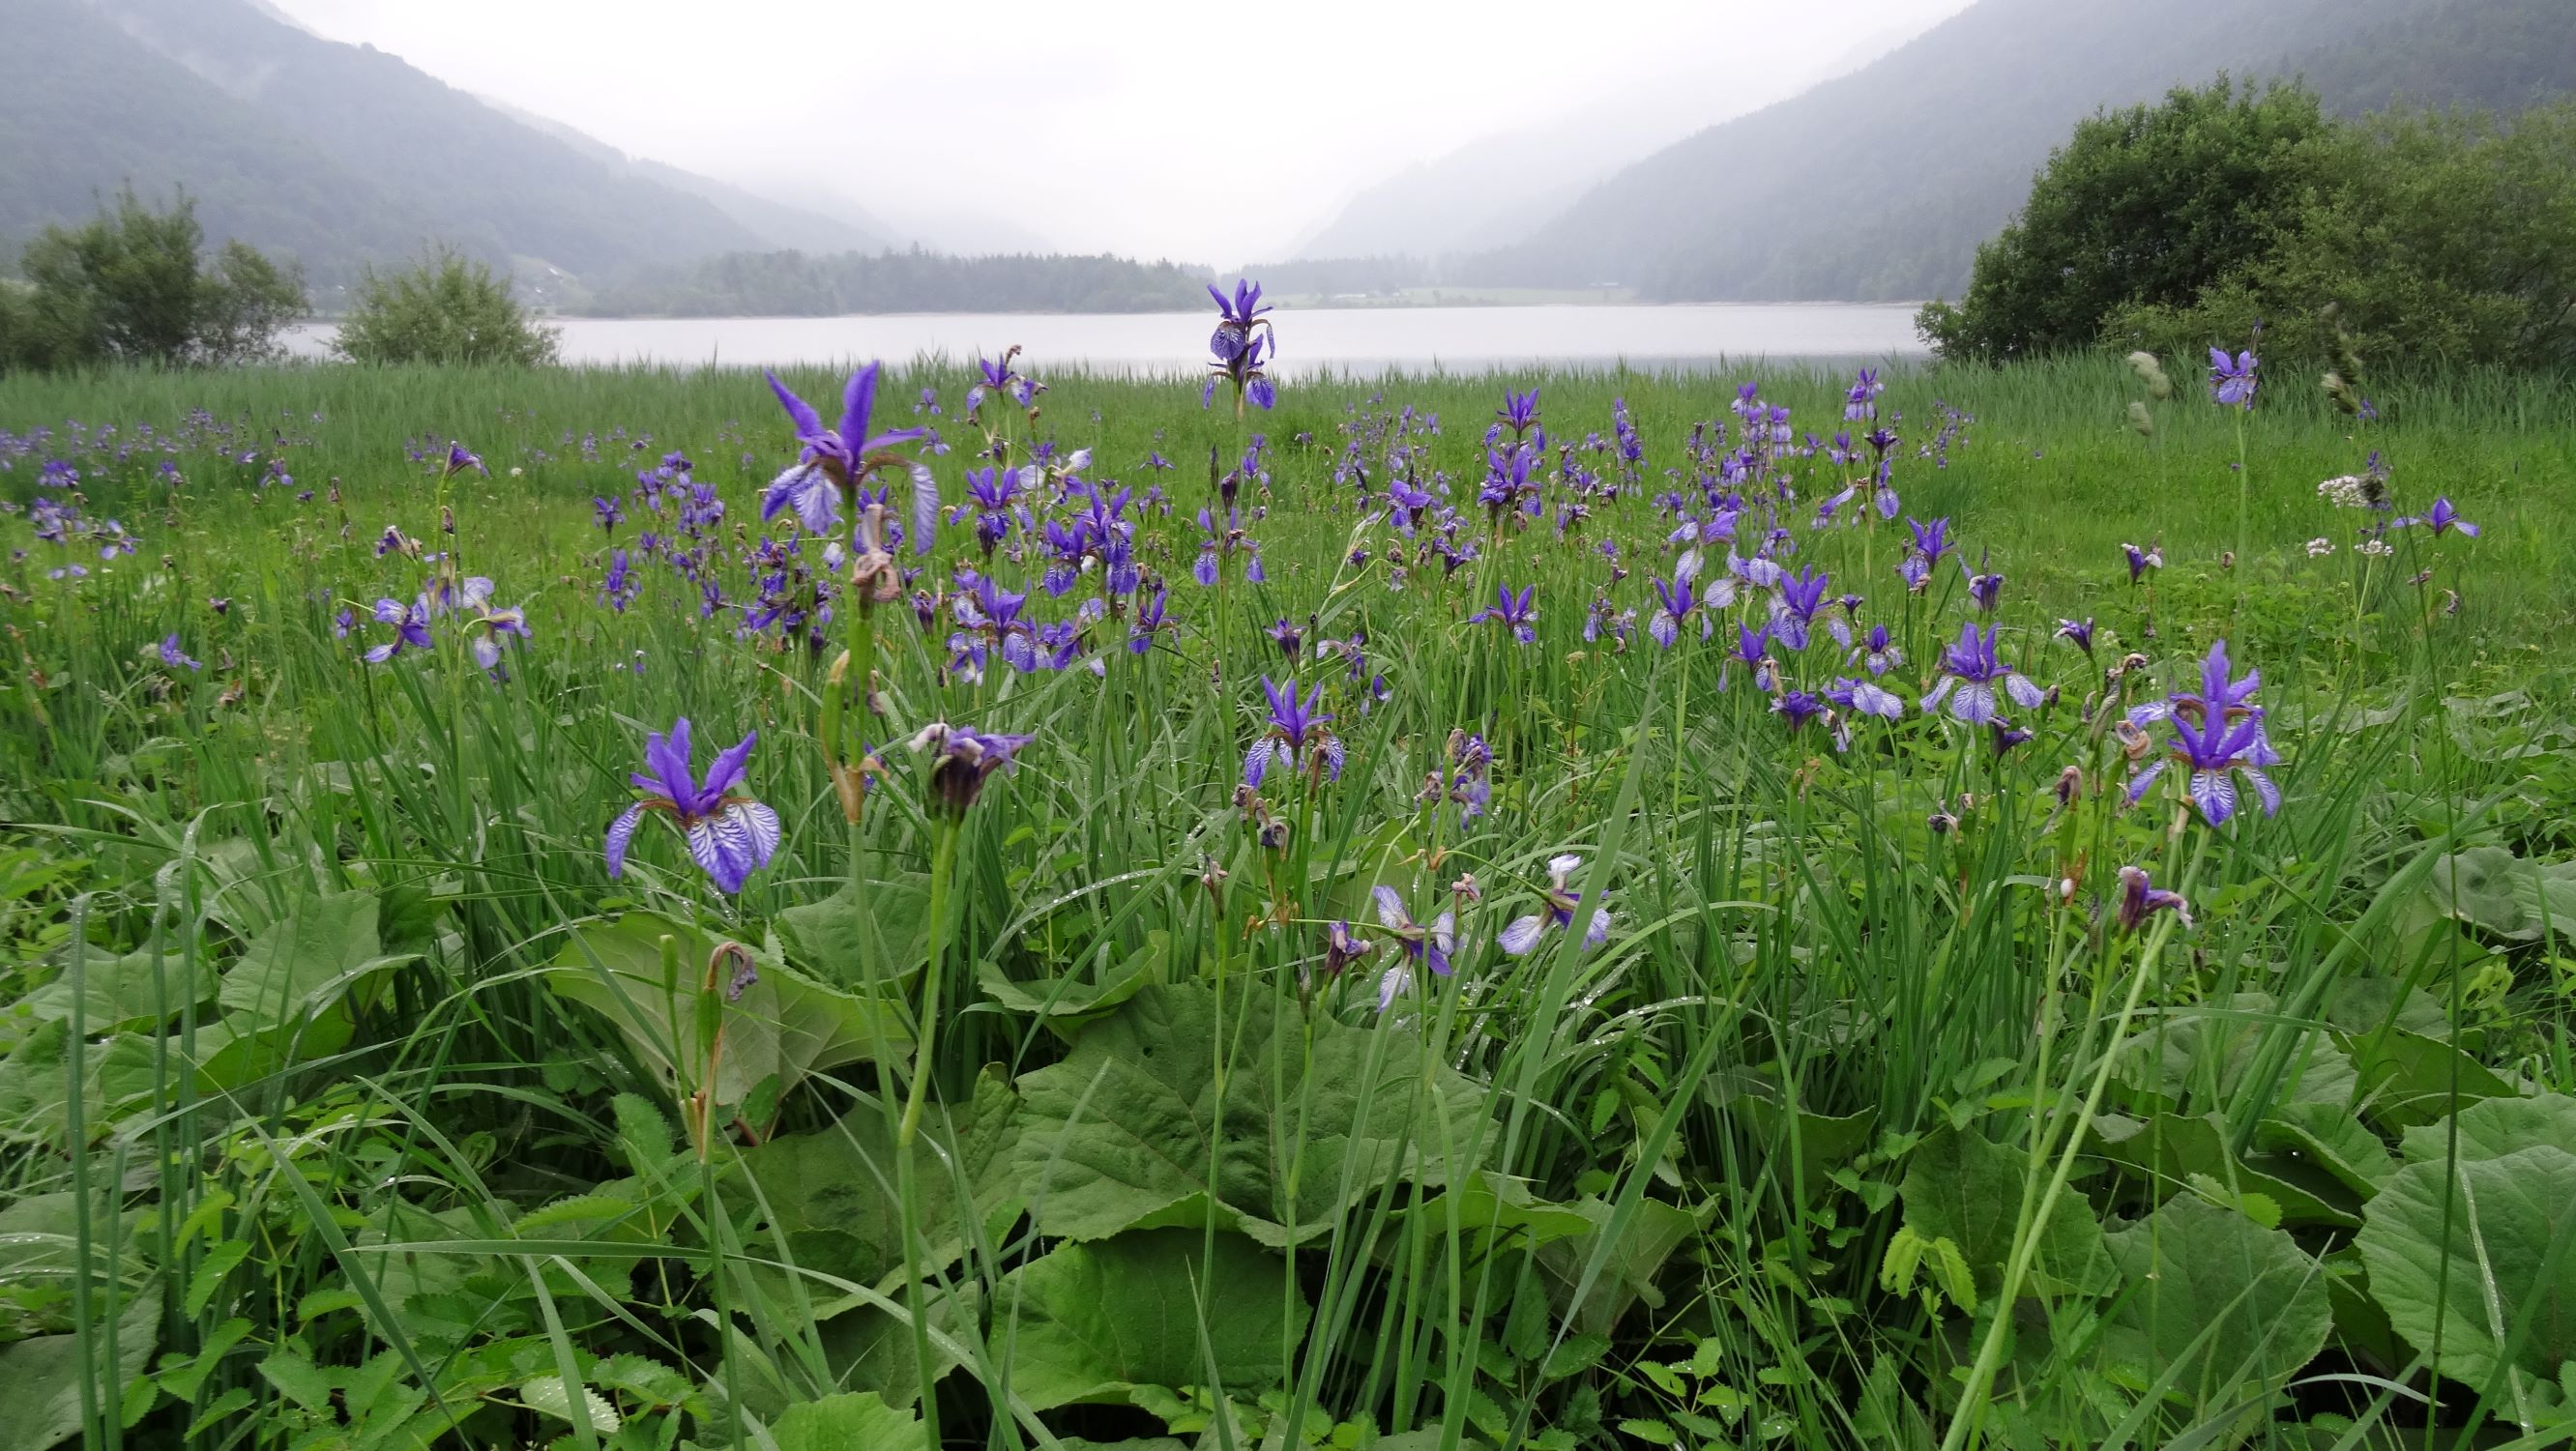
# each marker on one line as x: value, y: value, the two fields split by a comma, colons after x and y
x: 1880, y: 184
x: 1497, y: 190
x: 341, y: 154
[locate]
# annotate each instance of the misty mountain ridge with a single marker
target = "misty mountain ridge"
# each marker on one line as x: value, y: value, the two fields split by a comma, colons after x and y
x: 344, y: 155
x: 1880, y: 184
x: 1496, y: 190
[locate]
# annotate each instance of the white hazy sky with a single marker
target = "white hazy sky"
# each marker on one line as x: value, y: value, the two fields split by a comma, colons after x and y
x: 1177, y: 128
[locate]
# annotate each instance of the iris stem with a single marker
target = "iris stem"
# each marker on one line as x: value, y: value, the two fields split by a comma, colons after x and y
x: 942, y: 862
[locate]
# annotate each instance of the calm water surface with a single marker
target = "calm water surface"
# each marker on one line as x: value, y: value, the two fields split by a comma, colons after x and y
x: 1364, y: 340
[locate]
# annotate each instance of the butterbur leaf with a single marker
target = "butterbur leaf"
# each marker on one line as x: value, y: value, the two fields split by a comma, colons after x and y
x: 321, y: 950
x: 827, y: 937
x: 1967, y: 1190
x: 850, y: 1421
x: 2219, y: 1308
x: 1118, y: 1135
x: 2470, y: 1255
x: 1095, y: 1319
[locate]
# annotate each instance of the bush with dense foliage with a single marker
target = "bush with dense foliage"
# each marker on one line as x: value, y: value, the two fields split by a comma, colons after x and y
x: 2403, y: 238
x: 446, y: 309
x: 135, y: 286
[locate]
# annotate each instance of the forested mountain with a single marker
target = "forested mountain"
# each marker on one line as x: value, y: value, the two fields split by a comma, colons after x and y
x: 794, y: 284
x: 1880, y: 184
x: 338, y: 154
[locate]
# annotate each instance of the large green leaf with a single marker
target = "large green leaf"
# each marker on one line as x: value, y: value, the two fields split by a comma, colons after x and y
x: 829, y: 1195
x: 43, y: 1375
x: 2474, y: 1257
x: 324, y: 948
x: 891, y: 926
x: 2218, y: 1308
x: 1087, y: 1321
x: 1968, y: 1190
x: 2169, y: 1150
x: 1119, y: 1134
x: 2328, y: 1138
x: 2203, y: 1054
x: 2491, y: 888
x: 1066, y: 1003
x: 851, y: 1421
x: 2408, y: 1079
x: 785, y: 1025
x: 1630, y: 1262
x: 137, y: 990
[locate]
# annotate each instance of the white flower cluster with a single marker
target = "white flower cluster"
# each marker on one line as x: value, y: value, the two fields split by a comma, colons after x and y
x: 2318, y: 548
x: 2347, y: 492
x: 2375, y: 548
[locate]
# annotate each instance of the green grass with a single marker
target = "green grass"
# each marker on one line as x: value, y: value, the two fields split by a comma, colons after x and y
x: 348, y: 1101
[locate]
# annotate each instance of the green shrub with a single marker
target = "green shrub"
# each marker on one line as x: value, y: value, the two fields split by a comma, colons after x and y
x: 445, y: 309
x: 2143, y: 207
x: 133, y: 286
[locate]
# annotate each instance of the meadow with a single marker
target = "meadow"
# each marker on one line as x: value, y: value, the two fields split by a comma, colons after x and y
x: 1960, y: 907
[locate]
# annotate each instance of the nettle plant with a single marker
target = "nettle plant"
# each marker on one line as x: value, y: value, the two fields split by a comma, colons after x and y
x: 1553, y: 940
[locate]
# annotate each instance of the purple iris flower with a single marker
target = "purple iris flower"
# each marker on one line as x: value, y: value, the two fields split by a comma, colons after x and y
x: 1798, y: 707
x: 618, y: 587
x: 489, y: 627
x: 1931, y: 542
x: 1151, y: 617
x: 1794, y: 610
x: 1753, y: 651
x: 1427, y: 944
x: 459, y: 460
x: 173, y: 656
x: 1286, y: 636
x: 832, y: 463
x: 611, y: 512
x: 1879, y: 652
x: 2233, y: 378
x: 1296, y: 730
x: 2006, y: 734
x: 989, y: 494
x: 1860, y: 405
x: 411, y: 628
x: 2218, y: 735
x: 1986, y: 589
x: 1342, y: 947
x: 2441, y: 519
x: 2139, y: 897
x: 1512, y: 611
x: 1522, y: 935
x: 1677, y: 602
x: 2077, y: 632
x: 1241, y: 345
x: 1519, y: 411
x: 2142, y: 560
x: 1969, y: 672
x: 1862, y: 697
x: 962, y: 760
x: 729, y: 834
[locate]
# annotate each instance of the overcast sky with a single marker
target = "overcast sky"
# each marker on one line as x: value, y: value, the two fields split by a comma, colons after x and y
x: 1176, y: 128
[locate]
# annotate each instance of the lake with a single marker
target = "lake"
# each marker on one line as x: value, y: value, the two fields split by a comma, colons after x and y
x: 1362, y: 340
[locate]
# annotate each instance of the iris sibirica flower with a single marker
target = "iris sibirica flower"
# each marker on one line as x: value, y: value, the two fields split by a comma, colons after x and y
x: 1242, y: 343
x: 2079, y: 633
x: 1969, y: 674
x: 1931, y: 542
x: 611, y: 512
x: 2140, y: 897
x: 411, y: 628
x: 459, y: 460
x: 1426, y: 944
x: 487, y: 627
x: 962, y: 760
x: 2441, y: 519
x: 832, y: 463
x: 729, y: 834
x: 1519, y: 412
x: 1794, y: 609
x: 1677, y: 602
x: 1295, y: 733
x: 1513, y: 612
x: 2142, y: 560
x: 2218, y: 736
x: 174, y: 657
x: 1522, y: 935
x: 1860, y: 404
x: 2232, y: 379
